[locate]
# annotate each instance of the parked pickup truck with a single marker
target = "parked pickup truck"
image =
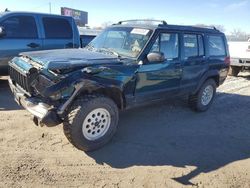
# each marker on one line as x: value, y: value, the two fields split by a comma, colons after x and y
x: 23, y: 31
x: 240, y: 57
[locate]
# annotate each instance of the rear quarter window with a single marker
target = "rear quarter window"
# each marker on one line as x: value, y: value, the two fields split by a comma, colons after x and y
x: 216, y: 46
x: 56, y: 28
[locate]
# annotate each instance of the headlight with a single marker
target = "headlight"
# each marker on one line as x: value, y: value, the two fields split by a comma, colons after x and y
x: 63, y: 93
x: 41, y: 83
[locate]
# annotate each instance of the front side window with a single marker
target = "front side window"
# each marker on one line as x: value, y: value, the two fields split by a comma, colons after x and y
x: 123, y: 41
x: 216, y: 46
x: 167, y: 43
x: 57, y: 28
x: 23, y: 27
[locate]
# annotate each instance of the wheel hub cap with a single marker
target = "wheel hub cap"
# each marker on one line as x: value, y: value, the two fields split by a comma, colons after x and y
x: 207, y: 95
x: 96, y: 124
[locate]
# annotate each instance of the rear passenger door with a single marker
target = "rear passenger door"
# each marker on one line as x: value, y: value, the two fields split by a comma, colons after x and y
x: 58, y: 33
x: 193, y: 59
x: 21, y: 35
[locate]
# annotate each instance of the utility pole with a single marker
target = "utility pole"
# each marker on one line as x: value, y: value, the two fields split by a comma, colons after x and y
x: 50, y: 7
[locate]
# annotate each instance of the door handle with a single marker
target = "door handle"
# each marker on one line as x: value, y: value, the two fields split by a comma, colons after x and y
x: 33, y: 45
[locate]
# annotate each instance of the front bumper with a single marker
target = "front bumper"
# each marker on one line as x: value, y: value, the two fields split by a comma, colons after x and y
x: 44, y: 113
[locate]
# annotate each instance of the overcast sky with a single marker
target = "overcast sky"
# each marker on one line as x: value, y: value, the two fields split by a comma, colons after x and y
x: 230, y: 13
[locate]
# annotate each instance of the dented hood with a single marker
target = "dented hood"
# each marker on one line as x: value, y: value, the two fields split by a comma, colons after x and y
x: 69, y: 58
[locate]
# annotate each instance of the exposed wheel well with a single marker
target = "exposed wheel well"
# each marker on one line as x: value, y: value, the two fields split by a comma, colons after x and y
x: 215, y: 78
x: 113, y: 93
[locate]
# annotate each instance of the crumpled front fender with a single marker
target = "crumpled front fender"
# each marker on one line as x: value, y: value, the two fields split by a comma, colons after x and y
x: 87, y: 81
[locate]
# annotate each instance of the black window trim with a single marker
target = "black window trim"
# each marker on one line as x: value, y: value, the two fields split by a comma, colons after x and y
x: 14, y: 38
x: 204, y: 48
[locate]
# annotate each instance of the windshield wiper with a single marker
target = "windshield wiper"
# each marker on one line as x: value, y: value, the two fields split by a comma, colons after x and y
x: 105, y: 50
x: 110, y: 51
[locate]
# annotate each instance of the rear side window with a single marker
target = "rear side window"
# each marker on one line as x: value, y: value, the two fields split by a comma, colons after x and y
x: 190, y: 45
x: 20, y: 27
x: 193, y: 45
x: 167, y: 43
x: 56, y: 28
x: 216, y: 46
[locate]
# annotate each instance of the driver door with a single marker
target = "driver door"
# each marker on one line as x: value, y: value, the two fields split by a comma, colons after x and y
x: 157, y: 80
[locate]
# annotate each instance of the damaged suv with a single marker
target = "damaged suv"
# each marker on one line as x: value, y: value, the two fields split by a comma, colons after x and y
x: 130, y: 63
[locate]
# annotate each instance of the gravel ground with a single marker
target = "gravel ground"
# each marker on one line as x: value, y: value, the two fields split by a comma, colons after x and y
x: 161, y: 145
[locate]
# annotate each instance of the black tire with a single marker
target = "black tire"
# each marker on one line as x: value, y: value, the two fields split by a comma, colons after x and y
x: 80, y: 109
x: 195, y: 101
x: 234, y: 71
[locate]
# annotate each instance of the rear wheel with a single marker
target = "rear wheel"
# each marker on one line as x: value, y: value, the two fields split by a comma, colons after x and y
x: 234, y: 70
x: 91, y: 122
x: 202, y: 100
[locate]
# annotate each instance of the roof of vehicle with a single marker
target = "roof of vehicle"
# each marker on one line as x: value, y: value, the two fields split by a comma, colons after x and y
x: 148, y: 24
x: 31, y: 13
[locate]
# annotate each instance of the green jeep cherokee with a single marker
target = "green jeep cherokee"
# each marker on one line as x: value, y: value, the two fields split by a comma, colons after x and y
x: 128, y: 64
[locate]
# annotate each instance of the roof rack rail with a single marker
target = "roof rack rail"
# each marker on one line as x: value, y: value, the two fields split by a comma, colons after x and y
x: 206, y: 27
x: 163, y: 22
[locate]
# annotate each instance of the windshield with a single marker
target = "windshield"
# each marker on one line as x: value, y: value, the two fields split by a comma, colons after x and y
x: 121, y: 41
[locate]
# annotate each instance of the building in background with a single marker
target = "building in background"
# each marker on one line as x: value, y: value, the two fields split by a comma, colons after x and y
x: 81, y: 17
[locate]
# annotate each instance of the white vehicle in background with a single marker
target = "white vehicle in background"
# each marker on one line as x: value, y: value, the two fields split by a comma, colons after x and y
x: 240, y: 57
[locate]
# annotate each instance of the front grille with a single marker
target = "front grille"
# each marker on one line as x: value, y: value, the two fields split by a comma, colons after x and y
x: 19, y: 78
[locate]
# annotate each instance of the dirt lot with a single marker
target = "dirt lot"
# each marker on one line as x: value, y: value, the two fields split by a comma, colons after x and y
x: 162, y: 145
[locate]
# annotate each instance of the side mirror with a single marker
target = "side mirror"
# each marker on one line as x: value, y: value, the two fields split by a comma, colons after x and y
x: 2, y: 32
x: 156, y: 57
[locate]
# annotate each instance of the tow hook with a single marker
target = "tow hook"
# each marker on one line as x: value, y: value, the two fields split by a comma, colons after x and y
x: 35, y: 120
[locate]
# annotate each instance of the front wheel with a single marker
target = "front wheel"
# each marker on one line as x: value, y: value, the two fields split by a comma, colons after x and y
x: 202, y: 100
x: 91, y: 122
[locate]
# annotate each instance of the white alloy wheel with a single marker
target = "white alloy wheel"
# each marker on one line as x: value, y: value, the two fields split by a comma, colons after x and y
x: 96, y: 124
x: 207, y: 95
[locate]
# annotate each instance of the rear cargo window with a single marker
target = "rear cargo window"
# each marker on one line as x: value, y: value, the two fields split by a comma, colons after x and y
x: 56, y: 28
x: 20, y: 27
x: 216, y: 46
